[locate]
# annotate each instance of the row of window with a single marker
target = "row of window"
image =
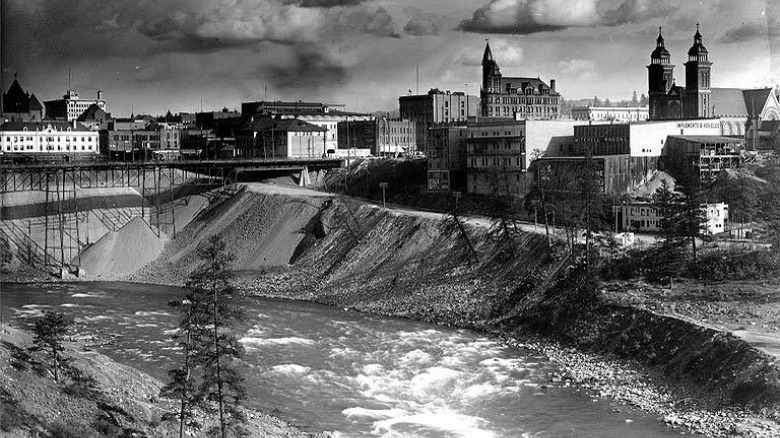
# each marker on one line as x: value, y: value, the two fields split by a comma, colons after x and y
x: 495, y: 134
x: 15, y: 139
x: 496, y: 161
x: 523, y: 100
x: 510, y: 111
x: 48, y: 148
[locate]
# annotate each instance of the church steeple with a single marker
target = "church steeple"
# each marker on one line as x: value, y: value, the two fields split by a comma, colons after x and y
x: 660, y: 75
x: 488, y: 55
x: 491, y: 78
x: 697, y: 52
x: 660, y: 55
x: 697, y: 79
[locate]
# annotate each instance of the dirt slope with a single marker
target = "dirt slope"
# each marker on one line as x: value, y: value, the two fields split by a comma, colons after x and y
x: 261, y: 230
x: 121, y: 252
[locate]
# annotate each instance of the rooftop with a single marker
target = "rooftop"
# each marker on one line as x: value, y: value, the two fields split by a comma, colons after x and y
x: 41, y: 126
x: 708, y: 138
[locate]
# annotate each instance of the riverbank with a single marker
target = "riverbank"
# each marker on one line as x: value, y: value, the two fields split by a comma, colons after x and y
x: 95, y: 397
x: 301, y: 245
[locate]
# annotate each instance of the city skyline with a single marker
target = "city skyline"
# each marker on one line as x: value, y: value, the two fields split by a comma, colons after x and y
x: 156, y: 56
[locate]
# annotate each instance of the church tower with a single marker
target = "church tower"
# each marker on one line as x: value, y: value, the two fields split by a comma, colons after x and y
x: 491, y: 79
x: 660, y: 74
x: 697, y: 80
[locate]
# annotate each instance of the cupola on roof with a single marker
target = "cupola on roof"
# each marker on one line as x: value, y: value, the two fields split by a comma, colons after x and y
x: 697, y: 49
x: 660, y: 51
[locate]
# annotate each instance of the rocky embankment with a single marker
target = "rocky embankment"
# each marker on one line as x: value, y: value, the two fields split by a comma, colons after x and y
x: 430, y: 267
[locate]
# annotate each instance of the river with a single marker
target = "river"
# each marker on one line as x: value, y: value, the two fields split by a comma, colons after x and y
x: 326, y: 369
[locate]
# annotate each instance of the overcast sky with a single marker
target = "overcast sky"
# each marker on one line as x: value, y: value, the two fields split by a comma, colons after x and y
x: 155, y: 55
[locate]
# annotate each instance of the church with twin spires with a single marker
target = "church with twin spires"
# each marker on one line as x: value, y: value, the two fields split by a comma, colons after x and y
x: 671, y: 101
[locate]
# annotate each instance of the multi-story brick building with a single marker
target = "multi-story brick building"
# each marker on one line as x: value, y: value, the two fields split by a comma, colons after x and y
x: 395, y: 136
x: 270, y: 137
x: 127, y: 139
x: 495, y: 157
x: 447, y: 158
x: 381, y: 137
x: 71, y: 106
x: 434, y: 108
x: 326, y: 116
x: 520, y: 97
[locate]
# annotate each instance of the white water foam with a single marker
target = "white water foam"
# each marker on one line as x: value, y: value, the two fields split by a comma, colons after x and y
x: 144, y: 313
x: 291, y: 369
x: 451, y: 423
x: 359, y: 413
x: 97, y: 318
x: 83, y: 295
x: 262, y: 342
x: 29, y: 311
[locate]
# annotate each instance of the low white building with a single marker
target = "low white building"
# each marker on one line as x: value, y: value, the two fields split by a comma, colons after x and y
x: 621, y: 114
x: 644, y: 216
x: 48, y: 137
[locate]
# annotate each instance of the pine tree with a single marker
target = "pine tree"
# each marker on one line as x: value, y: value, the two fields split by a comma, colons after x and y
x: 210, y: 285
x: 183, y: 379
x: 208, y: 373
x: 692, y: 217
x: 634, y: 100
x: 591, y: 198
x: 667, y: 203
x: 49, y: 333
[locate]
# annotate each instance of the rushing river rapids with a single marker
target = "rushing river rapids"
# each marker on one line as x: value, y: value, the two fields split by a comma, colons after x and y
x: 325, y: 369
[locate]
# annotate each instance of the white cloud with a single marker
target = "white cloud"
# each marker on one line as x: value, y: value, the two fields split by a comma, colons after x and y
x: 577, y: 67
x: 505, y: 52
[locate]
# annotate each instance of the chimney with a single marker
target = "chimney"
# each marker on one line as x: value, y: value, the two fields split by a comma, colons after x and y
x: 99, y: 95
x: 552, y: 85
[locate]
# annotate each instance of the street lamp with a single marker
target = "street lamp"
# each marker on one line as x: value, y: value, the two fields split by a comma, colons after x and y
x: 456, y: 195
x: 383, y: 186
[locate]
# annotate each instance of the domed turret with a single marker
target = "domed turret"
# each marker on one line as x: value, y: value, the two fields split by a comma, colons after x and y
x: 660, y: 55
x: 697, y: 52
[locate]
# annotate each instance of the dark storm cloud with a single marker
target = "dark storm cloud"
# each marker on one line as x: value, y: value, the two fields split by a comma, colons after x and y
x: 524, y: 17
x: 245, y: 23
x: 308, y: 69
x: 747, y: 32
x: 66, y: 29
x: 424, y: 24
x: 513, y: 17
x: 325, y: 3
x: 636, y: 11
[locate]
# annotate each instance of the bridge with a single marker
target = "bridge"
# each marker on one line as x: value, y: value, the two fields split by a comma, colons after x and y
x: 51, y: 232
x: 89, y: 174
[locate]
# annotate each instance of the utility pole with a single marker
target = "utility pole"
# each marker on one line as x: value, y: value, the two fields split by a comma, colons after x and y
x: 383, y: 186
x: 418, y: 79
